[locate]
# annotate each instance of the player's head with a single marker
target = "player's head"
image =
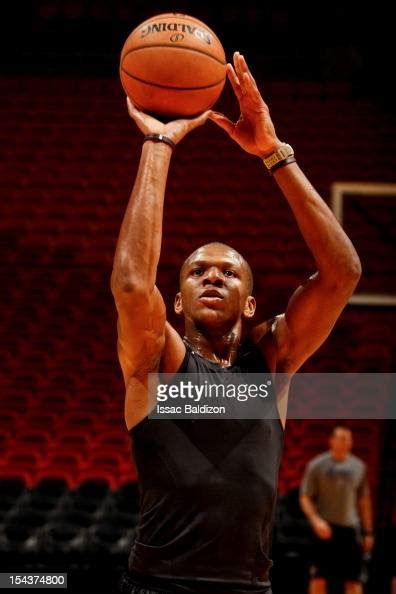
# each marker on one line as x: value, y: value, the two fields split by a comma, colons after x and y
x: 340, y: 441
x: 216, y: 285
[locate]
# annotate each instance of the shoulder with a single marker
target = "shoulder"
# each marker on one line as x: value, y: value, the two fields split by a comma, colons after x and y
x: 260, y: 331
x: 274, y: 337
x: 319, y: 461
x: 358, y: 463
x: 262, y: 335
x: 174, y: 352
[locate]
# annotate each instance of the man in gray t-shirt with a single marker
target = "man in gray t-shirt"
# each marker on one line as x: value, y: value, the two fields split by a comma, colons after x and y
x: 335, y: 497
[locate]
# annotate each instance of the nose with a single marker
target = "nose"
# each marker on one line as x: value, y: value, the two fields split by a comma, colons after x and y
x: 213, y: 276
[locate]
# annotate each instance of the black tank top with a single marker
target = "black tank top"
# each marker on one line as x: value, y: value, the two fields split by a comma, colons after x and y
x: 208, y: 492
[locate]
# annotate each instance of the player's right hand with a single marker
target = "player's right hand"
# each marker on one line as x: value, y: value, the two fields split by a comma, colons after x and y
x: 175, y: 130
x: 321, y: 528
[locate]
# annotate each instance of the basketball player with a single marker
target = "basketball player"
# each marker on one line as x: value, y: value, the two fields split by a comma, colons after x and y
x: 335, y: 497
x: 208, y: 488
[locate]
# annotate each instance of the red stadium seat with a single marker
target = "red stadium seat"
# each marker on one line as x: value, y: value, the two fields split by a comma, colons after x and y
x: 61, y: 378
x: 100, y: 474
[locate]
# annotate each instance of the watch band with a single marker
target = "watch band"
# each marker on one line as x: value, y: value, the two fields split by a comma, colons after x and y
x: 281, y: 164
x: 282, y: 153
x: 160, y: 138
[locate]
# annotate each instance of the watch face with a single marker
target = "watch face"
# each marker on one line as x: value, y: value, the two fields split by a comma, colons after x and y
x: 279, y: 155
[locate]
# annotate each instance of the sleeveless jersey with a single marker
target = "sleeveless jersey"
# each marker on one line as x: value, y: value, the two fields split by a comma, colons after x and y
x: 208, y: 492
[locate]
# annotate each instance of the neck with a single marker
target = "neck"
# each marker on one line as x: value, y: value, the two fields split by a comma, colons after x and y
x: 219, y: 347
x: 339, y: 455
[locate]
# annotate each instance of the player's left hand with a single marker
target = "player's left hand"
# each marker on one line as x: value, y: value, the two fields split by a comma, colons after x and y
x: 254, y: 130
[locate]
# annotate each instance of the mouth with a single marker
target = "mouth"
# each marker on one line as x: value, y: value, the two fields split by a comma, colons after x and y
x: 211, y: 295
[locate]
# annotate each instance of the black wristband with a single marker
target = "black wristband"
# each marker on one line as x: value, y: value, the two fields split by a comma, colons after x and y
x: 283, y: 163
x: 160, y: 138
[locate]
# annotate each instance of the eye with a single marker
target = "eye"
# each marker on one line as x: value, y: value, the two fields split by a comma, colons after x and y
x: 229, y: 273
x: 197, y: 272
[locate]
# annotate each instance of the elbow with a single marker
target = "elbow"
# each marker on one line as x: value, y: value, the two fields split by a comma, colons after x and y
x: 129, y: 275
x: 120, y: 282
x: 355, y: 268
x: 353, y: 272
x: 346, y: 277
x: 125, y: 282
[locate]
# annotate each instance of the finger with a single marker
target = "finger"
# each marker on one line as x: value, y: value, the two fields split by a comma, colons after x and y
x: 145, y: 122
x: 201, y: 119
x: 251, y: 92
x: 134, y: 112
x: 238, y: 64
x: 133, y: 107
x: 246, y: 69
x: 130, y: 106
x: 222, y: 121
x: 232, y: 77
x: 239, y: 69
x: 236, y: 61
x: 249, y: 84
x: 243, y: 63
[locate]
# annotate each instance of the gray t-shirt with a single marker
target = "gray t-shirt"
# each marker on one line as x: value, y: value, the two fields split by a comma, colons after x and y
x: 335, y: 487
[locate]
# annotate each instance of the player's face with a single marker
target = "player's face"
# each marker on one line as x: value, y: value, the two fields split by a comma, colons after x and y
x: 215, y: 286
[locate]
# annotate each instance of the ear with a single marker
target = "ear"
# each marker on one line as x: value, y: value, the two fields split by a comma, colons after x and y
x: 178, y: 305
x: 250, y: 307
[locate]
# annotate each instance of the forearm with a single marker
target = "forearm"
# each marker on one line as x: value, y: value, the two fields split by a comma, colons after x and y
x: 308, y: 508
x: 366, y: 515
x: 335, y: 256
x: 139, y: 242
x: 254, y: 131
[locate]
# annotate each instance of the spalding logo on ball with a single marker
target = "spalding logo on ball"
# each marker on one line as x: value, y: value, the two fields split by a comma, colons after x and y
x: 173, y: 65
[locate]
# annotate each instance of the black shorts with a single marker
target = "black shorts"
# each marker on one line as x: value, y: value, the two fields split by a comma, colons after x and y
x: 340, y: 557
x: 127, y: 585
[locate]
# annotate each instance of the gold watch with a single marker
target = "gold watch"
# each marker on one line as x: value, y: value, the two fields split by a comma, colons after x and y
x: 282, y: 153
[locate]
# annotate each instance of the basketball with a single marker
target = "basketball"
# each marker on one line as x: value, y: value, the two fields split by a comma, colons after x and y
x: 174, y: 65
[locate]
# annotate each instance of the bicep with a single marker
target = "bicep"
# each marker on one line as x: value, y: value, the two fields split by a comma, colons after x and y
x: 308, y: 487
x: 141, y: 331
x: 363, y: 490
x: 311, y: 314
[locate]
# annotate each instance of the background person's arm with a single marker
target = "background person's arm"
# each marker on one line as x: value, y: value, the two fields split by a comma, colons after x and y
x: 309, y: 493
x: 365, y: 509
x: 315, y: 306
x: 321, y: 528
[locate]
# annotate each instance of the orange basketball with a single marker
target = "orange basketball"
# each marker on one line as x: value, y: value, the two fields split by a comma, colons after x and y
x: 174, y: 65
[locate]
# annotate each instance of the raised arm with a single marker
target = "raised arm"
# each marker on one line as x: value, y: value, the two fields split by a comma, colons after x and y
x: 141, y: 309
x: 315, y: 306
